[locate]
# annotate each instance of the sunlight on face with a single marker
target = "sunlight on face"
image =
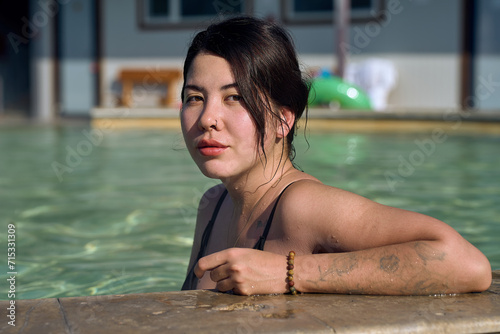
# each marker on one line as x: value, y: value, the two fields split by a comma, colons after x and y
x: 219, y: 132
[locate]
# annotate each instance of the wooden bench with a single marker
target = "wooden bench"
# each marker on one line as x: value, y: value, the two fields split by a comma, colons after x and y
x: 149, y: 79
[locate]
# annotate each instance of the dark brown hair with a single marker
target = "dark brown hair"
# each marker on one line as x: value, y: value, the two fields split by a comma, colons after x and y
x: 264, y: 63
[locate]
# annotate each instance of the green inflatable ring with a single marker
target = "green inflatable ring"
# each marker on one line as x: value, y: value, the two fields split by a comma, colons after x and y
x: 333, y: 89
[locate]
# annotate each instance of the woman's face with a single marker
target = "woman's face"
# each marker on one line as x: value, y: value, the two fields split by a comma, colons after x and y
x: 219, y: 132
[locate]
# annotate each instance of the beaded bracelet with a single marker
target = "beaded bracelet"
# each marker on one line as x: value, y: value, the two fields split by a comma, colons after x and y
x: 291, y: 283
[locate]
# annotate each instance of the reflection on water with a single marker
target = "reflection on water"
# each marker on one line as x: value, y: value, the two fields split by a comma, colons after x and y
x: 113, y: 212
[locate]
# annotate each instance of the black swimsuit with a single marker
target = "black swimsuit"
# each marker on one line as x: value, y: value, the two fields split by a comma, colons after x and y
x: 191, y: 280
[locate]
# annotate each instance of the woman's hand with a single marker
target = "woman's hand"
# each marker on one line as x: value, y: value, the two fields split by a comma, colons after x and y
x: 245, y: 271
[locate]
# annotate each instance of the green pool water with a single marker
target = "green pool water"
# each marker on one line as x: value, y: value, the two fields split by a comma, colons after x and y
x: 113, y: 212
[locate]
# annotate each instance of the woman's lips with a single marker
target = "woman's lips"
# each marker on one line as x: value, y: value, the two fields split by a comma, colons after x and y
x: 211, y: 148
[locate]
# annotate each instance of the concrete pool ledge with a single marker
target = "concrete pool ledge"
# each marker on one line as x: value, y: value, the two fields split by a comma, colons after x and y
x: 459, y: 121
x: 213, y: 312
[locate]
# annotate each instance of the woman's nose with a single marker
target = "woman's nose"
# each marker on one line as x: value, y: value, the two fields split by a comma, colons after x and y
x: 210, y: 116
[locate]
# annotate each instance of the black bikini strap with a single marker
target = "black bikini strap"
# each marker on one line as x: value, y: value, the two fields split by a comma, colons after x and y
x: 263, y: 237
x: 210, y: 225
x: 190, y: 281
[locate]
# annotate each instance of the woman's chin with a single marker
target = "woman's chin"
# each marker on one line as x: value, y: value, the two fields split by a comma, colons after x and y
x: 213, y: 174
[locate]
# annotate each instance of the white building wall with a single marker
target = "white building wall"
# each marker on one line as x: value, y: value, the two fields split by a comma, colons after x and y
x: 421, y: 37
x: 41, y: 63
x: 125, y: 45
x: 486, y: 93
x: 76, y: 58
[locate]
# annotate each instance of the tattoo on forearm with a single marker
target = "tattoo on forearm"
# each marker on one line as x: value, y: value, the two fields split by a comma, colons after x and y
x: 389, y: 264
x: 340, y: 266
x: 406, y: 277
x: 427, y: 253
x: 344, y: 265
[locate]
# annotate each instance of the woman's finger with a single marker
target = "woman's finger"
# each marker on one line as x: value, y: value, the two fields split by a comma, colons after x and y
x: 220, y: 273
x: 208, y: 262
x: 225, y: 285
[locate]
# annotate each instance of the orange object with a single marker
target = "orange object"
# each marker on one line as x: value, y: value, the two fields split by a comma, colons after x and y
x: 149, y: 78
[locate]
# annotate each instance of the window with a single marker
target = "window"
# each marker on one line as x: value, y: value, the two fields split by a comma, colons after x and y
x: 164, y: 13
x: 321, y: 11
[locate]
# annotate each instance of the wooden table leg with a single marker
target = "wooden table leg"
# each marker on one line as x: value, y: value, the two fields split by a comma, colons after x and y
x: 127, y: 87
x: 170, y: 96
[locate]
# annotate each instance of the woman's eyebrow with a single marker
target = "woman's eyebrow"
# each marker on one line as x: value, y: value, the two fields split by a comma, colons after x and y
x: 231, y: 85
x: 200, y: 89
x: 193, y: 87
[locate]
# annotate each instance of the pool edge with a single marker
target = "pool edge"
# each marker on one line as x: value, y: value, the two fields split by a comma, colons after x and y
x: 212, y: 312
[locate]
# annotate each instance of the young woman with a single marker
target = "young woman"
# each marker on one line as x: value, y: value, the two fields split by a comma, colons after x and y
x: 243, y: 94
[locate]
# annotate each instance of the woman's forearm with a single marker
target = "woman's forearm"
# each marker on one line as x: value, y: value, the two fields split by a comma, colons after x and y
x: 414, y: 268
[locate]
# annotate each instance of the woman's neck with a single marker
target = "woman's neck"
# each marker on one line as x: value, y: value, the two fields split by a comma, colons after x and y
x: 251, y: 195
x: 247, y: 190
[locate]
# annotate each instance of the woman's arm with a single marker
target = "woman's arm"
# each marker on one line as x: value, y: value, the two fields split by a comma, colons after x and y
x: 413, y: 268
x: 372, y: 249
x: 380, y: 249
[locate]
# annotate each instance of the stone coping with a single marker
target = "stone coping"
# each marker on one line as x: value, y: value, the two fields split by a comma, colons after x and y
x: 321, y: 113
x: 205, y: 311
x: 450, y: 121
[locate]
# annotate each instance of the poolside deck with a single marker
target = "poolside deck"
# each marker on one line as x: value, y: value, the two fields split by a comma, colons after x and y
x: 212, y: 312
x: 450, y: 121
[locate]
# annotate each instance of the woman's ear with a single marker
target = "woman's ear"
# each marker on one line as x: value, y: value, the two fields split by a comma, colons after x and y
x: 286, y: 122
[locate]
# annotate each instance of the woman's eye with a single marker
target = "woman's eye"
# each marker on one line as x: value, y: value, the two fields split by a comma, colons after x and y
x: 193, y: 99
x: 235, y: 98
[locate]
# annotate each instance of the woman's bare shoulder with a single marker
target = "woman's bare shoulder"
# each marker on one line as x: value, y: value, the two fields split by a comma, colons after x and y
x: 310, y: 190
x: 311, y: 201
x: 352, y: 221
